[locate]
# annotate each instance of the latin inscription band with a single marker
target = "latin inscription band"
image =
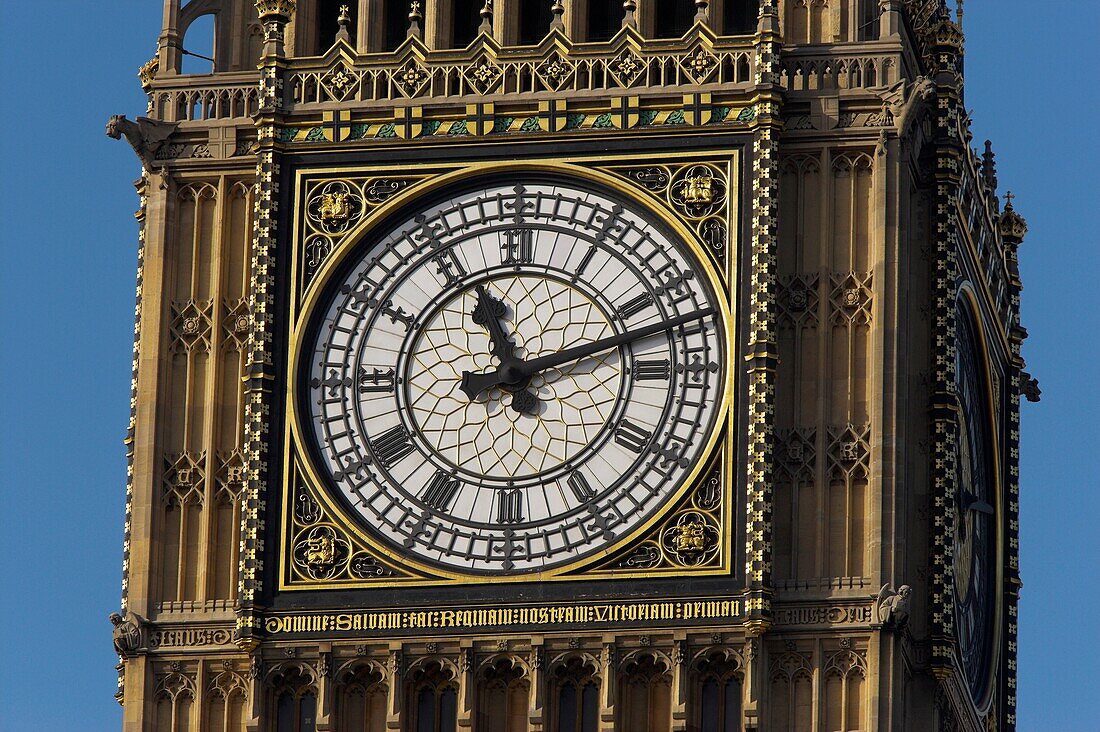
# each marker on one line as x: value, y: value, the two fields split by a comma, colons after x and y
x: 718, y: 611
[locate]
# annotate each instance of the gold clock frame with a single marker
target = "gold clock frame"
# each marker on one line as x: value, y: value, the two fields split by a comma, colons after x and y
x: 718, y: 457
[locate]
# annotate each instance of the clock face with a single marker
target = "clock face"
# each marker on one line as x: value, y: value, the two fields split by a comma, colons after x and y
x: 514, y: 377
x: 975, y: 544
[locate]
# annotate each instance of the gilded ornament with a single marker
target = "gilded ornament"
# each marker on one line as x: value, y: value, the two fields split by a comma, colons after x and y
x: 340, y: 80
x: 148, y: 71
x: 276, y: 8
x: 628, y: 67
x: 483, y: 72
x: 335, y: 207
x: 700, y: 63
x: 411, y: 78
x: 699, y: 189
x: 320, y: 551
x: 689, y: 538
x: 692, y: 540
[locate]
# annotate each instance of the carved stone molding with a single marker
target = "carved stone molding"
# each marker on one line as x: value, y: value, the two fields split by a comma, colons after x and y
x: 797, y: 301
x: 184, y: 477
x: 849, y: 451
x: 796, y: 454
x: 850, y: 298
x: 190, y: 327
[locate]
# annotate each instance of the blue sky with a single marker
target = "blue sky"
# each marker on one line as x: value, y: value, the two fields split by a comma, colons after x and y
x: 66, y: 302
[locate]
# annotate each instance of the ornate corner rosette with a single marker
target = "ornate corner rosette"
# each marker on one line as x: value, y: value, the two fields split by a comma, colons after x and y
x: 318, y: 550
x: 691, y: 538
x: 701, y: 192
x: 331, y: 208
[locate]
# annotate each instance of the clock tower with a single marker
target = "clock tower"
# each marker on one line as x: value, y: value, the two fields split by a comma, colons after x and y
x: 569, y: 367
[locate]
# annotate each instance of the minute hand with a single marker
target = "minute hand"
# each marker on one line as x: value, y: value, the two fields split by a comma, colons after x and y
x: 474, y: 383
x: 587, y: 349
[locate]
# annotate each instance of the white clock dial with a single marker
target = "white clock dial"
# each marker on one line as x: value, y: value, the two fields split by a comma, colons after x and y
x: 514, y: 377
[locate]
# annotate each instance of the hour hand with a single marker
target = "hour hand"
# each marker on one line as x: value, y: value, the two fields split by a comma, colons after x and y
x: 487, y: 313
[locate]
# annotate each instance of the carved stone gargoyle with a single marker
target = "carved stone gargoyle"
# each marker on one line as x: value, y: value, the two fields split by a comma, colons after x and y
x: 127, y: 635
x: 1029, y: 387
x: 145, y: 135
x: 892, y: 606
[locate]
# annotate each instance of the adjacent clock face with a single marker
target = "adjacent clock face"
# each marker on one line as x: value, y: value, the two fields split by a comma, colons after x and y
x: 514, y: 377
x: 975, y: 567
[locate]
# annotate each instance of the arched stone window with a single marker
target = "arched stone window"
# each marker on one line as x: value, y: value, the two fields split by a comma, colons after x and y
x: 718, y: 676
x: 226, y: 697
x: 361, y: 697
x: 645, y: 693
x: 199, y: 40
x: 503, y: 696
x: 791, y: 693
x: 395, y: 24
x: 453, y: 23
x: 174, y: 697
x: 845, y: 674
x: 574, y: 695
x: 293, y: 699
x: 432, y: 699
x: 868, y: 20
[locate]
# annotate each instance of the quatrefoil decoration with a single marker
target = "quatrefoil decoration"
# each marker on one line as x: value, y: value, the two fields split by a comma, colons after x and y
x: 700, y: 64
x: 555, y: 72
x: 627, y: 68
x: 411, y: 79
x: 482, y: 75
x: 340, y: 82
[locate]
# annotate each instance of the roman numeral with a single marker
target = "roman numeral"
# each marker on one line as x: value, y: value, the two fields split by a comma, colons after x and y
x: 635, y: 305
x: 392, y: 445
x: 376, y: 381
x: 397, y: 314
x: 652, y: 370
x: 519, y: 246
x: 631, y: 436
x: 441, y: 491
x: 447, y: 264
x: 580, y: 486
x: 509, y: 505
